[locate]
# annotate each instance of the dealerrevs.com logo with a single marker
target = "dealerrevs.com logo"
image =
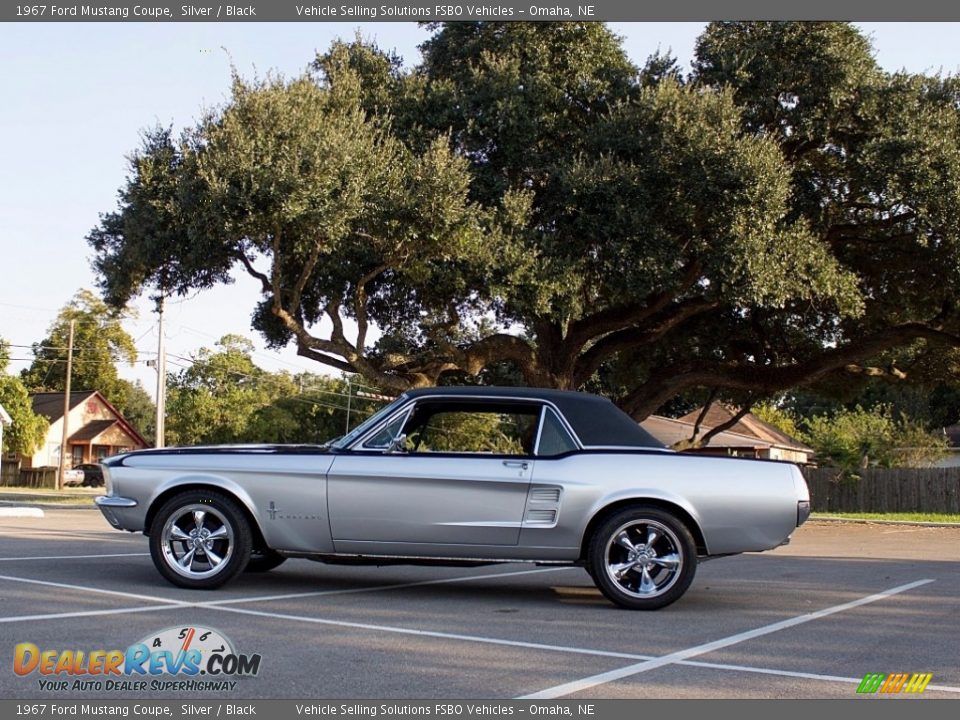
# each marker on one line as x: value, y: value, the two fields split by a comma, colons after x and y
x: 174, y: 659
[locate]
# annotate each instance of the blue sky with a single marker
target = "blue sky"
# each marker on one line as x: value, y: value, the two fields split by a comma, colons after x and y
x: 76, y: 96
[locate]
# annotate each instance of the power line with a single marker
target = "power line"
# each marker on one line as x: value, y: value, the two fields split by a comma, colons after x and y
x: 293, y: 398
x: 78, y: 348
x: 191, y: 361
x: 274, y: 357
x: 29, y: 307
x: 269, y: 379
x: 60, y: 361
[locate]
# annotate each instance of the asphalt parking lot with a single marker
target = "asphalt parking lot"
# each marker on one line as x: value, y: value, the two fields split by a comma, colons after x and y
x: 804, y: 621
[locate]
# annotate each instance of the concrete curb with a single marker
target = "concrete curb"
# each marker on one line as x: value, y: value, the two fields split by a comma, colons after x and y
x: 21, y: 512
x: 49, y: 505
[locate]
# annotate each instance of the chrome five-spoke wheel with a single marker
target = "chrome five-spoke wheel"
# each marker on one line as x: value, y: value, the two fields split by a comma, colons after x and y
x: 642, y: 558
x: 200, y: 539
x: 197, y: 540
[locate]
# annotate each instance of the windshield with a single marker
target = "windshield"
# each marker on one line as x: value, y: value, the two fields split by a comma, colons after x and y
x: 369, y: 423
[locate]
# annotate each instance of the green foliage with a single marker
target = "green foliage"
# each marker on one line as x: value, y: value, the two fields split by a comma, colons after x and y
x: 28, y: 429
x: 317, y: 414
x: 215, y: 398
x: 860, y: 438
x: 140, y: 411
x: 224, y: 397
x: 781, y: 418
x: 99, y: 343
x: 528, y: 204
x: 501, y: 433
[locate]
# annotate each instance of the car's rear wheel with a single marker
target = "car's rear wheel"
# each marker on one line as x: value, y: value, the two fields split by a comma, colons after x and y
x: 200, y: 539
x: 264, y: 560
x: 642, y: 558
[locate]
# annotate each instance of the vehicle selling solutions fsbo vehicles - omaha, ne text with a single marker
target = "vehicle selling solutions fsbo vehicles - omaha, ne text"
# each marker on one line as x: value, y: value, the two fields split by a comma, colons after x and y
x: 460, y: 476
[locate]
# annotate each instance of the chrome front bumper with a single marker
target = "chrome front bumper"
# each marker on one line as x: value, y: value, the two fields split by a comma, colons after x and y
x: 112, y: 507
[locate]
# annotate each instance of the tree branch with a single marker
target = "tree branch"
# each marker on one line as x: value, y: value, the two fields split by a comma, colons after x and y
x: 726, y: 424
x: 305, y: 272
x: 332, y: 309
x: 763, y: 380
x: 324, y: 358
x: 622, y: 316
x: 360, y: 305
x: 254, y: 273
x: 589, y: 362
x: 703, y: 413
x: 501, y: 346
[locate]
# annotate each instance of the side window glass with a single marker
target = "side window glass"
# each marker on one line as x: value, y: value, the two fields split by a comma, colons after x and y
x: 554, y: 438
x: 495, y: 431
x: 382, y: 440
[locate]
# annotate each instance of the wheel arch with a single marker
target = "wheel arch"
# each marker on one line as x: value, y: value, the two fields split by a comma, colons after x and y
x: 188, y: 485
x: 681, y: 513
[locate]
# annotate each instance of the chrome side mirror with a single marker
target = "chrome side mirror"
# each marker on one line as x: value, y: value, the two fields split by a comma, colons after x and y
x: 398, y: 444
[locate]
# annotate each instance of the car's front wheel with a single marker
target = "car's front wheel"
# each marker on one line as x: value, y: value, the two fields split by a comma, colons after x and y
x: 200, y: 539
x: 642, y: 558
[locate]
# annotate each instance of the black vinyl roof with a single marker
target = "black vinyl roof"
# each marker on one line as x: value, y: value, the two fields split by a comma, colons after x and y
x: 595, y: 420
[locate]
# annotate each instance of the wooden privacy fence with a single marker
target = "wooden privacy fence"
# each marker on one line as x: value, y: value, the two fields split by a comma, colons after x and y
x: 9, y: 472
x: 12, y: 474
x: 929, y: 490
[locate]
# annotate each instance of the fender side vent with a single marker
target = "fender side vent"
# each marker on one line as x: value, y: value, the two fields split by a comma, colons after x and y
x: 542, y: 516
x: 545, y: 495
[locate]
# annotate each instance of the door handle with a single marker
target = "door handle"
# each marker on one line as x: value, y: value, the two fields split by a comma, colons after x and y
x: 522, y: 464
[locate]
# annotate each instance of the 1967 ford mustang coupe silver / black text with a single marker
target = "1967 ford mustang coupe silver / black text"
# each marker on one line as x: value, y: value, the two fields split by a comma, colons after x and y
x: 460, y: 476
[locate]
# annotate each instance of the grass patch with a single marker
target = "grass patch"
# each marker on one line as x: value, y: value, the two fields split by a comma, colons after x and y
x: 46, y: 496
x: 909, y: 517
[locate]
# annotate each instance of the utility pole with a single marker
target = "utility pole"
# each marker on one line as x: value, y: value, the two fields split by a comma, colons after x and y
x: 66, y: 411
x: 349, y: 398
x: 161, y: 378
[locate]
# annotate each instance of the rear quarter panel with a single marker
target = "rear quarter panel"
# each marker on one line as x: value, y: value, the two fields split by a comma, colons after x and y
x: 739, y: 505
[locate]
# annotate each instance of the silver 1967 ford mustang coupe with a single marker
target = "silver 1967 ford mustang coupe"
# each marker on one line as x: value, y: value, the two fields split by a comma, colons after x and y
x: 460, y: 476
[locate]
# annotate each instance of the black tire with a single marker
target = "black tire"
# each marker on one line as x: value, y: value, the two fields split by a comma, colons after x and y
x: 200, y: 539
x: 264, y: 560
x: 642, y: 558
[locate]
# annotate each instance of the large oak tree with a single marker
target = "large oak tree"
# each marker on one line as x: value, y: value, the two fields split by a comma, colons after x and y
x: 526, y: 198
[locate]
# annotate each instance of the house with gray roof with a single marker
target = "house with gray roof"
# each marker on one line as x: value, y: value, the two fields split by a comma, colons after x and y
x: 749, y: 437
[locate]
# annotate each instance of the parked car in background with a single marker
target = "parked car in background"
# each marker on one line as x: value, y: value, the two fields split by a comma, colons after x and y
x: 73, y: 477
x: 460, y: 476
x: 92, y: 474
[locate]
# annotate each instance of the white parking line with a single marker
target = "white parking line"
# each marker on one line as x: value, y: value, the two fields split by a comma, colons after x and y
x: 85, y: 613
x: 216, y: 604
x: 605, y: 653
x: 795, y: 674
x: 55, y: 536
x: 422, y: 633
x: 72, y: 557
x: 83, y: 588
x: 644, y: 659
x: 378, y: 588
x: 21, y: 512
x: 602, y: 678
